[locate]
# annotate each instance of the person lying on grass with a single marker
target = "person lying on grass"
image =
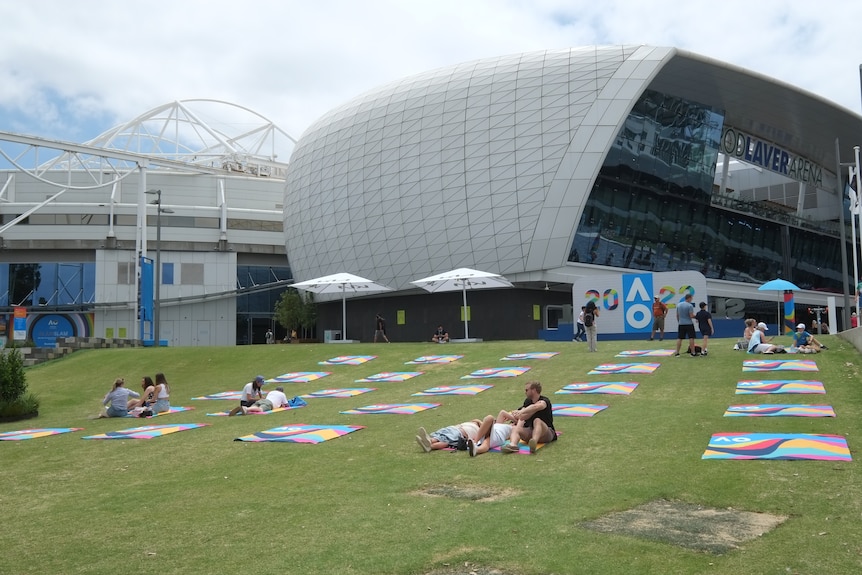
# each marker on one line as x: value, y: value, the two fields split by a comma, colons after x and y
x: 273, y: 400
x: 448, y: 437
x: 492, y: 433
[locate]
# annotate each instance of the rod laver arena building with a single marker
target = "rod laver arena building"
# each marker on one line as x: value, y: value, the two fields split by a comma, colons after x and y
x: 559, y: 166
x: 597, y: 169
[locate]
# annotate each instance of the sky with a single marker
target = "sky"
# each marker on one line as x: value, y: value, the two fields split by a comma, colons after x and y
x: 72, y: 70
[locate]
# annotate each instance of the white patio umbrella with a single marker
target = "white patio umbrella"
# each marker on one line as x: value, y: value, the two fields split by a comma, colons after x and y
x: 342, y: 283
x: 462, y: 279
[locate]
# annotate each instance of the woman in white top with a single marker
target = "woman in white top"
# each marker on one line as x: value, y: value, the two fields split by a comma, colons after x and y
x: 162, y: 394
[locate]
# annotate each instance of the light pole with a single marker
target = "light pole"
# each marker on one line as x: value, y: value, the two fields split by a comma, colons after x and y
x: 157, y: 303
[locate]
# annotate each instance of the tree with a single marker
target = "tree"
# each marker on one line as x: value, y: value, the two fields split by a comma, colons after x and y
x: 293, y: 311
x: 288, y: 309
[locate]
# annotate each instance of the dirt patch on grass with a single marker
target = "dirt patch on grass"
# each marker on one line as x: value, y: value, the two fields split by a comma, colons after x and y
x: 469, y: 492
x: 467, y: 569
x: 691, y: 526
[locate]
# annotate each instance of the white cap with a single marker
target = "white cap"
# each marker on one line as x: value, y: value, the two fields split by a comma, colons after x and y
x: 800, y: 326
x: 762, y: 326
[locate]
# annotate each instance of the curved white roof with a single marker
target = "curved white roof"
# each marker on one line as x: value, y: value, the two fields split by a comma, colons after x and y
x: 487, y: 164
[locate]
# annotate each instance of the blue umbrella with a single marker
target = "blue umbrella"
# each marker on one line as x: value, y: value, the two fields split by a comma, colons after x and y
x: 780, y: 285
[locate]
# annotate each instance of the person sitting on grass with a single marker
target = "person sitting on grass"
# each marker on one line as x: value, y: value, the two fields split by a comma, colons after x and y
x: 492, y: 433
x: 117, y: 400
x: 440, y: 335
x: 250, y: 394
x: 805, y: 342
x: 449, y: 436
x: 759, y: 343
x: 149, y: 390
x: 535, y: 420
x: 273, y: 400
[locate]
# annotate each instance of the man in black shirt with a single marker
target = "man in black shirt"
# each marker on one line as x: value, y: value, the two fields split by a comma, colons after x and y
x: 535, y: 420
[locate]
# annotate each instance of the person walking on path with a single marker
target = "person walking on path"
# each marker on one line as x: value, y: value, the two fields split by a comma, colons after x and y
x: 380, y: 328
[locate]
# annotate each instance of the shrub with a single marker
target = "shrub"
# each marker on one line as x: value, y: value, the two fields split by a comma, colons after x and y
x: 14, y: 399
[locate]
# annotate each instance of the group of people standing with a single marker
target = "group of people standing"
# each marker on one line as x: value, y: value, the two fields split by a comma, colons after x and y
x: 686, y: 317
x: 123, y: 402
x: 532, y: 423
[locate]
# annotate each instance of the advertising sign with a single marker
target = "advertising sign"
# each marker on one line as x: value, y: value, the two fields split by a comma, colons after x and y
x: 625, y: 301
x: 19, y: 324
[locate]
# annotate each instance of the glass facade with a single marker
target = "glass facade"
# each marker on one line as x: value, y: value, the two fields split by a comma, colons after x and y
x: 62, y: 285
x: 47, y: 284
x: 254, y: 307
x: 651, y: 208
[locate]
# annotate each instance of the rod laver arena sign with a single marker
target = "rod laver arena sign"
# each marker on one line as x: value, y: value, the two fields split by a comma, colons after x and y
x: 752, y: 150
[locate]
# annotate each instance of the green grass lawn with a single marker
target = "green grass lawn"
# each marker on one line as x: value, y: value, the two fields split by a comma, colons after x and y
x: 198, y: 502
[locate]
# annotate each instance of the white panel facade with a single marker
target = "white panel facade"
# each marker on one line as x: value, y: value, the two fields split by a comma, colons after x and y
x: 480, y: 165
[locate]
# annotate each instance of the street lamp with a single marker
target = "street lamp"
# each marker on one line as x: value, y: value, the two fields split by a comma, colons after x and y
x: 157, y: 303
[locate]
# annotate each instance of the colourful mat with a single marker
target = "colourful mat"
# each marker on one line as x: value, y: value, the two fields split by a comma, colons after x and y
x: 425, y: 359
x: 523, y: 448
x: 298, y: 377
x: 389, y: 376
x: 347, y: 360
x: 577, y: 409
x: 280, y: 409
x: 777, y: 446
x: 455, y: 390
x: 612, y: 368
x: 779, y: 386
x: 605, y: 387
x: 497, y: 372
x: 396, y: 408
x: 23, y: 434
x: 172, y: 409
x: 301, y: 433
x: 340, y: 392
x: 771, y: 410
x: 646, y: 353
x: 234, y: 395
x: 533, y: 355
x: 147, y: 431
x: 779, y: 365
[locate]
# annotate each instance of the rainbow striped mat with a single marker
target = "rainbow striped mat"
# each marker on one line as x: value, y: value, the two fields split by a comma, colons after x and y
x: 339, y: 392
x: 777, y: 446
x: 396, y: 408
x: 612, y: 368
x: 779, y: 386
x: 147, y: 431
x: 497, y: 372
x: 605, y: 387
x: 773, y: 410
x: 23, y: 434
x: 455, y: 390
x: 426, y: 359
x: 347, y: 360
x: 389, y: 376
x: 577, y: 409
x: 301, y: 433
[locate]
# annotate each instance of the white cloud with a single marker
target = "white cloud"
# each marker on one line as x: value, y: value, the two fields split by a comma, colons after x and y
x: 96, y: 63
